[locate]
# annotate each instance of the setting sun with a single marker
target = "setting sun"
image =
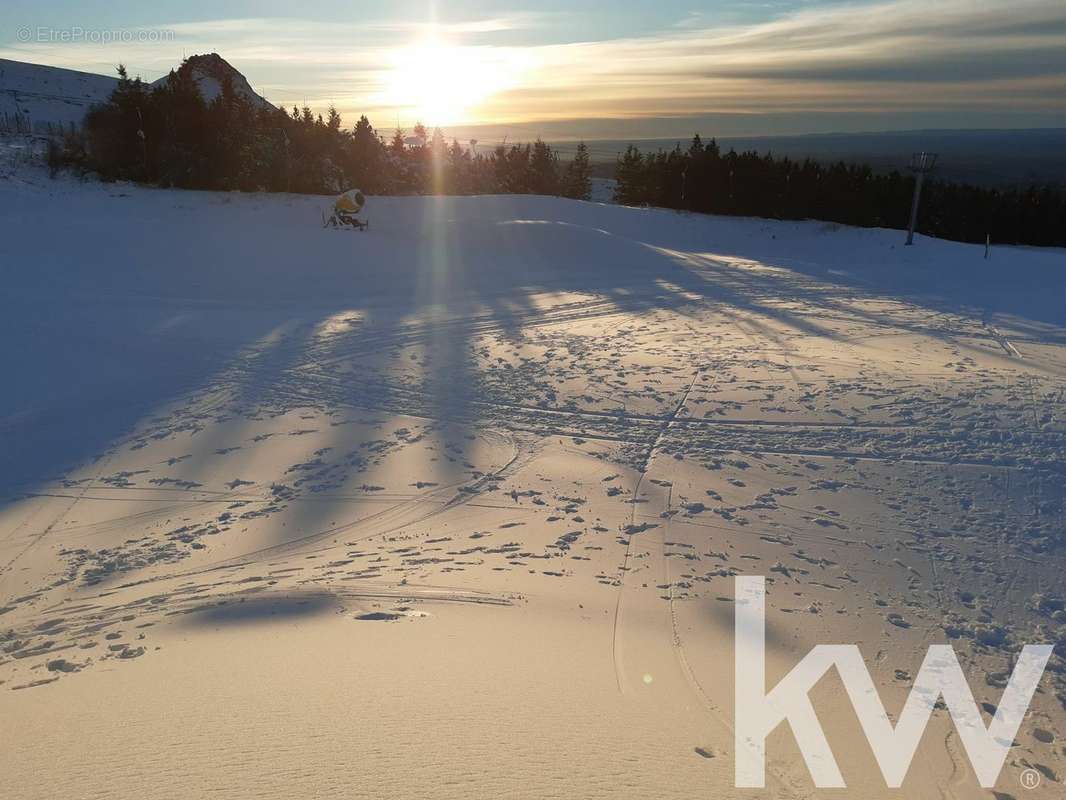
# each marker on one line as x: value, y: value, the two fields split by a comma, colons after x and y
x: 442, y: 84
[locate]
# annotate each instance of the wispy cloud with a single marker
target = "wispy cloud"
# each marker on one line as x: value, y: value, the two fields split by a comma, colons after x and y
x: 896, y: 56
x: 904, y: 54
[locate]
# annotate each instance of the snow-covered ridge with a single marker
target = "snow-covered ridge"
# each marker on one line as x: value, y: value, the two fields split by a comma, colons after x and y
x: 210, y: 70
x: 37, y: 98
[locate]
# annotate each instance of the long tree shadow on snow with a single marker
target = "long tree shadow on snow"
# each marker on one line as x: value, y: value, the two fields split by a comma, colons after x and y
x: 211, y: 321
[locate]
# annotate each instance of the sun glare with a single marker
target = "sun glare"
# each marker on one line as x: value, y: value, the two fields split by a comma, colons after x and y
x: 443, y: 84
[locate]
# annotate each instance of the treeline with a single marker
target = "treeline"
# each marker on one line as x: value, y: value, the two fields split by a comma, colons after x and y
x: 170, y: 136
x: 701, y: 178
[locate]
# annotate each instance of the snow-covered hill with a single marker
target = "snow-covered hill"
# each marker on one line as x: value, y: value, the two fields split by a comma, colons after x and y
x: 35, y: 97
x: 210, y: 70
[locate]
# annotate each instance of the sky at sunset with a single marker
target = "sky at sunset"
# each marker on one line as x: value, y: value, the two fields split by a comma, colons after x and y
x: 595, y: 69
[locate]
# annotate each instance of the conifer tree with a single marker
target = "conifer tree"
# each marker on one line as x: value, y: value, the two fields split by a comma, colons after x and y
x: 333, y: 121
x: 630, y: 188
x: 543, y: 167
x: 577, y: 182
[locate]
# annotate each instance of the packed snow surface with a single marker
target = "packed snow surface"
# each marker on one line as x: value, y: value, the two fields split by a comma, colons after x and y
x: 451, y: 508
